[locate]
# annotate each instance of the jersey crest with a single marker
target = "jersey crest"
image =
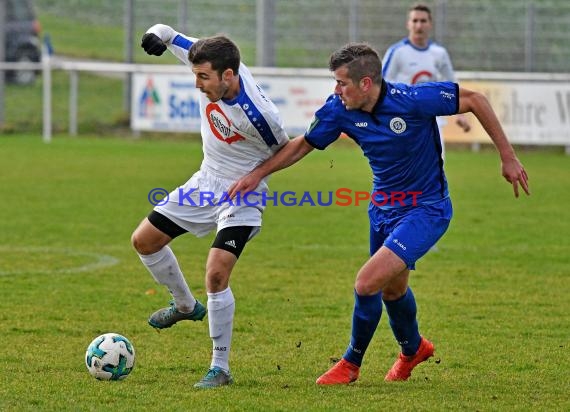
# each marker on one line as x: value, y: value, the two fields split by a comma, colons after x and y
x: 220, y: 125
x: 398, y: 125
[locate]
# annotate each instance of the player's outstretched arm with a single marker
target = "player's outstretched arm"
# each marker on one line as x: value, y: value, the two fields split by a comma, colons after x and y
x: 157, y: 37
x: 289, y: 154
x: 512, y: 169
x: 160, y: 37
x: 152, y: 44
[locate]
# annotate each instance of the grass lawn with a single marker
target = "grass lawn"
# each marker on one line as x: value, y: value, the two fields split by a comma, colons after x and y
x: 493, y: 297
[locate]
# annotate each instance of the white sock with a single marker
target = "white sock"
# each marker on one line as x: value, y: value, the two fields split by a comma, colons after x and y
x: 221, y: 308
x: 164, y: 268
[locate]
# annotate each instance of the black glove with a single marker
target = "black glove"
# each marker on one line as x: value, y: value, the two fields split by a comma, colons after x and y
x: 152, y: 44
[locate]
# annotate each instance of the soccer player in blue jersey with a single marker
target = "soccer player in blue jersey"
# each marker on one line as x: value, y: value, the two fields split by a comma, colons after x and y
x: 395, y: 126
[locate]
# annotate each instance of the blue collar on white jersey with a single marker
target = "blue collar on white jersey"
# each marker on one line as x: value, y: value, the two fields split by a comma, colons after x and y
x: 408, y: 42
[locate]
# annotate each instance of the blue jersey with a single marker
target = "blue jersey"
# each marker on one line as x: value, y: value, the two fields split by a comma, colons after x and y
x: 400, y: 138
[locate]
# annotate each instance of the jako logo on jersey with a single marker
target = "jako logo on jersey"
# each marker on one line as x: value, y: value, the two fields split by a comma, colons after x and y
x: 397, y: 242
x: 261, y: 93
x: 361, y: 124
x: 221, y: 125
x: 398, y: 125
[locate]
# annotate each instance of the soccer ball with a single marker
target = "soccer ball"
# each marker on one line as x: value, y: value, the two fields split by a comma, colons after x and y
x: 110, y: 357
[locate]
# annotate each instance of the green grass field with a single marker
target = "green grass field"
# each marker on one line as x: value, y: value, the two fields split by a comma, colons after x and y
x: 494, y: 298
x: 99, y: 108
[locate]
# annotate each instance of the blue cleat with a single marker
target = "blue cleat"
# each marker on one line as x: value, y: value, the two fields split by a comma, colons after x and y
x: 166, y: 317
x: 215, y: 377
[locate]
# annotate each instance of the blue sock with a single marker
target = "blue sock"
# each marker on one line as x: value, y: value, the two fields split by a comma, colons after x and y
x: 402, y: 315
x: 365, y: 318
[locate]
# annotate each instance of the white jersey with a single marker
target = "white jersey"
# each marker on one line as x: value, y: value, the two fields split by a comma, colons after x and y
x: 406, y: 63
x: 237, y: 134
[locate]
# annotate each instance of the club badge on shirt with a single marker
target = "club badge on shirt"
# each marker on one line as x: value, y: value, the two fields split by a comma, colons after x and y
x: 220, y: 125
x: 398, y: 125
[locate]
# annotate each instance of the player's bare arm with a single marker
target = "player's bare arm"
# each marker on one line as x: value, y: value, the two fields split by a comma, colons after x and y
x: 462, y: 122
x: 289, y: 154
x: 512, y: 169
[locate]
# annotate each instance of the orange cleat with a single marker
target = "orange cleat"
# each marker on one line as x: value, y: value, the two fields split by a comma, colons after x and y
x: 402, y: 368
x: 342, y: 373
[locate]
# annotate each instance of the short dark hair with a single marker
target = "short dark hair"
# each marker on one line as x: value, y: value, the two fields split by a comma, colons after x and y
x: 360, y: 59
x: 420, y: 7
x: 218, y: 50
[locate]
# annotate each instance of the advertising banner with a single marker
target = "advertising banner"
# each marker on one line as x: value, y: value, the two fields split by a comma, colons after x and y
x: 167, y: 102
x: 534, y: 112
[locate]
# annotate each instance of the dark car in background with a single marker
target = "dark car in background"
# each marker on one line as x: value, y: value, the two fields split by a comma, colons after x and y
x: 22, y: 39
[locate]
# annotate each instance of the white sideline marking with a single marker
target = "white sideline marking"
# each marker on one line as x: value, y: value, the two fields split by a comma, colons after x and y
x: 100, y: 260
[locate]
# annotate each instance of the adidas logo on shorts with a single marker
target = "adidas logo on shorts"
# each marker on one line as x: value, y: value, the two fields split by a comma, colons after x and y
x: 231, y: 243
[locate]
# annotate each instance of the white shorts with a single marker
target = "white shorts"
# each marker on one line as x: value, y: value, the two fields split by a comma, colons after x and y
x: 202, y: 205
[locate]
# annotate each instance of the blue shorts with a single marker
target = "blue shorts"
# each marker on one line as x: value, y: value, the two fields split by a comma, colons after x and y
x: 411, y: 231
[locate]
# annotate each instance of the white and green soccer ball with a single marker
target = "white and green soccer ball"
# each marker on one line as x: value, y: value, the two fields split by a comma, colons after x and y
x: 110, y: 357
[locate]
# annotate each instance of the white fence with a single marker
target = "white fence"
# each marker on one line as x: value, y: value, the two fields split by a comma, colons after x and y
x: 534, y: 108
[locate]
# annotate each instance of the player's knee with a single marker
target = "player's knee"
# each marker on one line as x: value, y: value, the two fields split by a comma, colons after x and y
x: 394, y: 292
x: 137, y: 243
x: 141, y: 245
x: 217, y: 278
x: 366, y: 286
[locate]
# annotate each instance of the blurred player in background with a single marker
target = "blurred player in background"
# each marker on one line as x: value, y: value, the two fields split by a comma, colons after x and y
x: 417, y: 59
x: 395, y: 126
x: 240, y: 128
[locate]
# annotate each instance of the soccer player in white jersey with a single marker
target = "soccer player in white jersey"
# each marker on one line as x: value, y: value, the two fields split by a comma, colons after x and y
x: 417, y: 59
x: 240, y: 129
